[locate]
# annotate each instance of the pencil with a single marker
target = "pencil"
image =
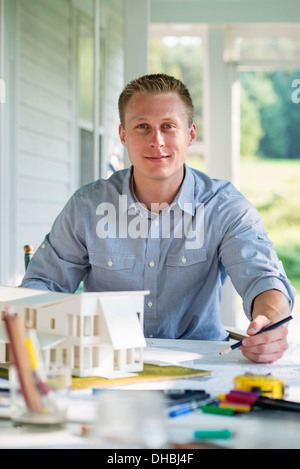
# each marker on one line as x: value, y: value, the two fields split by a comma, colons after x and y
x: 21, y: 360
x: 269, y: 328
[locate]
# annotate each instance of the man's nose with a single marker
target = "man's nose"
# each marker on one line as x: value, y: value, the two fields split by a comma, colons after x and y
x: 157, y: 139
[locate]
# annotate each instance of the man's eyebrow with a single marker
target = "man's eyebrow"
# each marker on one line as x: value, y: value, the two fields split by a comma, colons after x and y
x: 141, y: 118
x: 138, y: 118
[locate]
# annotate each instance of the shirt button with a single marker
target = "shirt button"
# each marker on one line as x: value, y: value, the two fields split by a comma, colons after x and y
x: 156, y: 222
x: 183, y: 260
x: 43, y: 246
x: 110, y: 264
x: 152, y: 264
x: 150, y: 304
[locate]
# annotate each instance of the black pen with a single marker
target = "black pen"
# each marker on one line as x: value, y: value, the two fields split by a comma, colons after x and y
x: 269, y: 328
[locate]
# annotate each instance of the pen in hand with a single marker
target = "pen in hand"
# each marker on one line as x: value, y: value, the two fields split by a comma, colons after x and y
x: 269, y: 328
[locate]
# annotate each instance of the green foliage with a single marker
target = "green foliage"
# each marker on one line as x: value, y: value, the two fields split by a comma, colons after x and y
x: 290, y: 257
x: 251, y: 129
x: 266, y: 103
x: 273, y: 186
x: 270, y: 120
x: 270, y: 124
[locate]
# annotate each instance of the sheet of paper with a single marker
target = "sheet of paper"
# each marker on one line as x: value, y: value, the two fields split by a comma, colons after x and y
x: 164, y: 357
x: 225, y: 368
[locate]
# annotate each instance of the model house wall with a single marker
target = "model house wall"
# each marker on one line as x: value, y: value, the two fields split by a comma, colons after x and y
x: 96, y: 334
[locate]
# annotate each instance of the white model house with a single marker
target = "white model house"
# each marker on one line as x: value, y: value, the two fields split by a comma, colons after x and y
x: 96, y: 334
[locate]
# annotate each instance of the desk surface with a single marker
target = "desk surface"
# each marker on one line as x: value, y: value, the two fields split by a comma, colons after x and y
x: 258, y: 429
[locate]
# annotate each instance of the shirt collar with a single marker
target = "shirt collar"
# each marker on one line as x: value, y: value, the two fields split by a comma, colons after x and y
x: 184, y: 199
x: 186, y: 195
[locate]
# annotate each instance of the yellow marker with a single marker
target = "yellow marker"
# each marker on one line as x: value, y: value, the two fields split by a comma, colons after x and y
x: 235, y: 406
x: 31, y: 353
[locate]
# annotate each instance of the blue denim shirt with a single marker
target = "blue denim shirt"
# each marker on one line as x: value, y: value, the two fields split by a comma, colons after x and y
x: 182, y: 256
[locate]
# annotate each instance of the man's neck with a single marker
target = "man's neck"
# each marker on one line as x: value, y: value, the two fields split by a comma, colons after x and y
x: 156, y: 194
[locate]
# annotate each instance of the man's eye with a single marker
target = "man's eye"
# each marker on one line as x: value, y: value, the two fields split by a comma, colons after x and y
x: 142, y: 126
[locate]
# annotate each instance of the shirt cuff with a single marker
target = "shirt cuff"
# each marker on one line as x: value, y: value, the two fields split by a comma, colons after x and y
x: 268, y: 283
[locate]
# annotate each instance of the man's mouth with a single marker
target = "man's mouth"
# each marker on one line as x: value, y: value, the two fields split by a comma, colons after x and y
x: 157, y: 158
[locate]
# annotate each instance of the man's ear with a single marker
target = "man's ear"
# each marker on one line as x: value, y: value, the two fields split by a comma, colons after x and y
x: 122, y: 135
x: 193, y: 134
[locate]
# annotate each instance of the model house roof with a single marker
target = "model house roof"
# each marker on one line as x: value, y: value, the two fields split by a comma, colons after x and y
x: 119, y: 322
x: 30, y: 296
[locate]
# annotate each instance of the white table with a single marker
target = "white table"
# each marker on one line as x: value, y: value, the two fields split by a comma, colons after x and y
x: 258, y: 429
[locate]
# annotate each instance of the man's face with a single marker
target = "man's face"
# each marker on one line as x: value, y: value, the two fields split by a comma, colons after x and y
x: 157, y: 136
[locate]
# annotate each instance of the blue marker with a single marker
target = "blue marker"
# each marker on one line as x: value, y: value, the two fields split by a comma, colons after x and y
x: 186, y: 408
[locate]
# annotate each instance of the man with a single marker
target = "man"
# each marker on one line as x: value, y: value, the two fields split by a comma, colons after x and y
x: 164, y: 227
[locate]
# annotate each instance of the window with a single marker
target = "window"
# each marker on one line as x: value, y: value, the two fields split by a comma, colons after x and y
x: 263, y: 44
x: 267, y: 62
x: 86, y: 100
x: 90, y: 157
x: 177, y: 49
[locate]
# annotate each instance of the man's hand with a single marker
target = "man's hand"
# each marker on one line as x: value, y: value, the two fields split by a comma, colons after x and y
x: 268, y: 307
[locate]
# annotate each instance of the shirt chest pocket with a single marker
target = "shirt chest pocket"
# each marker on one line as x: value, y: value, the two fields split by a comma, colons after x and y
x: 111, y: 271
x: 190, y: 265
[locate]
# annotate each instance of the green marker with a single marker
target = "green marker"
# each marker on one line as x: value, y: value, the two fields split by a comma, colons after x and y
x: 213, y: 409
x: 212, y: 434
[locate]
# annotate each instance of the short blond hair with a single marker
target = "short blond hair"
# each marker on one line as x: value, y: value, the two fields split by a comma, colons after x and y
x: 155, y: 84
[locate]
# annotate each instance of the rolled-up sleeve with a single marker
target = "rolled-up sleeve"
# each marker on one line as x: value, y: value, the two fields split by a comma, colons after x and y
x: 247, y: 253
x: 61, y: 261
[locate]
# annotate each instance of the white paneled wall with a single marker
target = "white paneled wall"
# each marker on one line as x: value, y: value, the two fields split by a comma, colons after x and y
x: 45, y: 159
x: 42, y: 152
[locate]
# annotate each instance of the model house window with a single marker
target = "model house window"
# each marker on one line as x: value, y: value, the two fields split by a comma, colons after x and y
x: 78, y: 330
x: 87, y: 326
x: 70, y: 325
x: 117, y: 358
x: 95, y: 356
x: 96, y: 325
x: 7, y: 353
x: 27, y: 314
x: 52, y: 323
x: 53, y: 356
x: 130, y: 356
x: 34, y: 318
x: 64, y: 356
x: 76, y: 356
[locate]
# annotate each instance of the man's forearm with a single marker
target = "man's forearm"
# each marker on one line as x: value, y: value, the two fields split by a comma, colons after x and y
x: 273, y: 304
